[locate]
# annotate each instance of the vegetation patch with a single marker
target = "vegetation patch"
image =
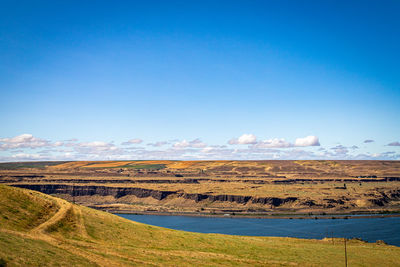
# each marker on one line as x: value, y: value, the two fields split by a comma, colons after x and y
x: 145, y: 166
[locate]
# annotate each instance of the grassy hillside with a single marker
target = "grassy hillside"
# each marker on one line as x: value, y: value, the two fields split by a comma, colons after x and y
x: 37, y: 229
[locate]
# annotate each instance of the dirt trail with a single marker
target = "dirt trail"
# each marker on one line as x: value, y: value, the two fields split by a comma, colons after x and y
x: 84, y: 246
x: 60, y: 214
x: 39, y: 233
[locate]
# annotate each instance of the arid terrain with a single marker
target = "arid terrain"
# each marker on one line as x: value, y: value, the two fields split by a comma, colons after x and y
x: 216, y: 187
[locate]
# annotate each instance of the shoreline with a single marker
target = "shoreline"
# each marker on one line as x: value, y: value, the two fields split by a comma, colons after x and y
x: 331, y: 216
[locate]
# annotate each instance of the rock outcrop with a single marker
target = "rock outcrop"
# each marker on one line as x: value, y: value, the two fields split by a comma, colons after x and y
x: 377, y: 198
x: 117, y: 192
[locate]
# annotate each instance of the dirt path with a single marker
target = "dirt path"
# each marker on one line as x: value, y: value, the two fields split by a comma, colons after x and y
x: 39, y: 232
x: 60, y: 214
x: 84, y: 246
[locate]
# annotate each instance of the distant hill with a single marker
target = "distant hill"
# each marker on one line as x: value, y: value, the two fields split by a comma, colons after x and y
x: 41, y: 230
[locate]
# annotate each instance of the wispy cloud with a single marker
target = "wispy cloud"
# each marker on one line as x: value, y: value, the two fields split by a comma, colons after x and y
x: 196, y: 143
x: 132, y: 142
x: 158, y: 144
x: 273, y: 143
x: 368, y: 141
x: 247, y: 147
x: 394, y: 144
x: 251, y: 139
x: 95, y: 150
x: 23, y: 141
x: 72, y: 140
x: 340, y: 150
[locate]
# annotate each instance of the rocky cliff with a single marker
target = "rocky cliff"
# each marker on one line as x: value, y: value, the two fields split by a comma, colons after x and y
x: 117, y: 192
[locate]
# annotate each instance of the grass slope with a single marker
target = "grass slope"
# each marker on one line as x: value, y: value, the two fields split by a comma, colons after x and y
x: 41, y: 230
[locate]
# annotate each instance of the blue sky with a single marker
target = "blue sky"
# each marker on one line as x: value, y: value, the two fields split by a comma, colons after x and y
x: 199, y: 80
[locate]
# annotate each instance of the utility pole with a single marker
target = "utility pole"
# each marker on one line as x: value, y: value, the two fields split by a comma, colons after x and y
x: 345, y: 252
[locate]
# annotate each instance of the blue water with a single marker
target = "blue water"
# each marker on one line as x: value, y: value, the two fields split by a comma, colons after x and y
x: 369, y: 229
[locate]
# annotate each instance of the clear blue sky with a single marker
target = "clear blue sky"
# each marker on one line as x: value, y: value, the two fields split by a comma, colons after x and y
x: 196, y: 75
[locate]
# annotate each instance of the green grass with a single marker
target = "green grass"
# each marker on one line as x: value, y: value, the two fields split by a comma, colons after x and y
x: 110, y: 240
x: 145, y: 166
x: 149, y: 167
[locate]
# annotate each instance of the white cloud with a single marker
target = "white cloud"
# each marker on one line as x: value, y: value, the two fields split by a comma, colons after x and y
x: 245, y: 139
x: 97, y: 148
x: 95, y: 144
x: 208, y: 149
x: 196, y: 143
x: 58, y: 143
x: 340, y: 150
x: 273, y: 143
x: 133, y: 141
x: 18, y: 148
x: 23, y: 141
x: 26, y: 156
x: 158, y: 144
x: 251, y: 139
x: 181, y: 144
x: 307, y: 141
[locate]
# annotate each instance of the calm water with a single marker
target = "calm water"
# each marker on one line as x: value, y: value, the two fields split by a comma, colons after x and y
x: 370, y: 229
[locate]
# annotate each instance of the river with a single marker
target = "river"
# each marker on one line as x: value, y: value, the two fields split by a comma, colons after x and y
x: 368, y: 229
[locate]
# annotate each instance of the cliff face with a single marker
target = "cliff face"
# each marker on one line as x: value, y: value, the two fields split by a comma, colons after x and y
x: 118, y: 192
x: 274, y: 201
x: 90, y: 190
x: 379, y: 198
